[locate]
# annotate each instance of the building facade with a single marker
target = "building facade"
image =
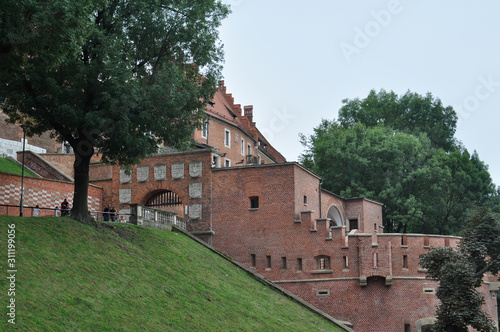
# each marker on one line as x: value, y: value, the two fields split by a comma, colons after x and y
x: 242, y: 197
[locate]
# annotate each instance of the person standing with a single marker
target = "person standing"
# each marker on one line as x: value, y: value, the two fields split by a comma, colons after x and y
x: 105, y: 215
x: 112, y: 214
x: 36, y: 210
x: 65, y: 208
x: 57, y: 212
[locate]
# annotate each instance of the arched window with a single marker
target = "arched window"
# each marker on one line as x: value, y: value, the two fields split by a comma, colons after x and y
x: 335, y: 216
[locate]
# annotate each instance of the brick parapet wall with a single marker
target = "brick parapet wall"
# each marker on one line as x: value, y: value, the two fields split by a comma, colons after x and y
x: 43, y: 192
x: 137, y: 188
x: 42, y: 167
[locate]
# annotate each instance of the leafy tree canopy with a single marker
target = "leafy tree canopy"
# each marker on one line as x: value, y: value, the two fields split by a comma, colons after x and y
x: 118, y: 76
x: 460, y: 271
x: 410, y: 113
x: 424, y: 188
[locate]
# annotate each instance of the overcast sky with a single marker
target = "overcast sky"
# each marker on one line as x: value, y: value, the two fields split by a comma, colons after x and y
x: 295, y: 60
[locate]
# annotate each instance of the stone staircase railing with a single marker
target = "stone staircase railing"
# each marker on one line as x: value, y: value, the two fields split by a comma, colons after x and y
x: 150, y: 217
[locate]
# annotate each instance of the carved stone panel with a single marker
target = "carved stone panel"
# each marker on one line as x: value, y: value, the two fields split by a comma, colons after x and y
x: 124, y: 177
x: 142, y: 173
x: 195, y: 190
x: 177, y: 171
x: 125, y: 195
x: 160, y: 172
x: 195, y: 169
x: 195, y: 211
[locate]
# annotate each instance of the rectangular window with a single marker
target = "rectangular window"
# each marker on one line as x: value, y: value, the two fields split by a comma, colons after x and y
x: 254, y: 260
x: 228, y: 162
x: 375, y: 227
x: 405, y: 261
x: 375, y: 259
x: 242, y: 146
x: 299, y: 264
x: 407, y: 328
x: 254, y: 202
x: 227, y: 138
x: 305, y: 200
x: 249, y: 149
x: 283, y: 263
x: 268, y: 261
x: 236, y: 138
x: 353, y: 224
x: 346, y: 262
x: 323, y: 263
x: 204, y: 129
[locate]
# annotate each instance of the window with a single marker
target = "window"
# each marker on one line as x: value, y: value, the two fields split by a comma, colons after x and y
x: 283, y: 263
x: 353, y: 224
x: 249, y: 149
x: 346, y: 262
x: 299, y: 264
x: 227, y: 138
x: 227, y: 163
x: 242, y: 146
x: 254, y: 202
x: 204, y: 129
x: 305, y: 200
x: 236, y: 138
x: 405, y: 261
x: 375, y: 259
x: 268, y: 261
x: 323, y: 262
x: 254, y: 260
x: 407, y: 328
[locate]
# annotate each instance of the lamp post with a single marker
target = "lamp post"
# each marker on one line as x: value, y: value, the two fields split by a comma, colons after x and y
x: 24, y: 126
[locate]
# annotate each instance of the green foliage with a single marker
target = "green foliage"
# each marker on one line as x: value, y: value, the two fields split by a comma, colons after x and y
x: 119, y: 76
x: 410, y: 113
x: 379, y: 149
x: 460, y: 271
x: 132, y: 278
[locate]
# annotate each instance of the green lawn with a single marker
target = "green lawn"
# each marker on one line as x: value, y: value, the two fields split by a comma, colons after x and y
x: 10, y: 167
x: 72, y: 277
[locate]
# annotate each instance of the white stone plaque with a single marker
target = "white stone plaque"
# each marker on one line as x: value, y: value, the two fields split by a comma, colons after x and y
x: 160, y: 172
x: 195, y: 169
x: 124, y: 177
x: 195, y: 211
x: 195, y: 190
x: 142, y: 173
x: 177, y: 171
x: 125, y: 195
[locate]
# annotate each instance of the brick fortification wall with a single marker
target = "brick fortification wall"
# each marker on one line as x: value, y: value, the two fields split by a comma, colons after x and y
x: 45, y: 193
x: 186, y: 174
x: 368, y: 278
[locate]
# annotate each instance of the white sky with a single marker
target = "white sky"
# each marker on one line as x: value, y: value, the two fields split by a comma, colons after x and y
x: 295, y: 60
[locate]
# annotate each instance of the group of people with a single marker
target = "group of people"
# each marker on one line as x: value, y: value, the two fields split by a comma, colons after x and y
x: 63, y: 211
x: 110, y: 214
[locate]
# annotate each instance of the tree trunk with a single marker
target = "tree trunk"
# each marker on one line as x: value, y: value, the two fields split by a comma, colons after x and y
x: 81, y: 167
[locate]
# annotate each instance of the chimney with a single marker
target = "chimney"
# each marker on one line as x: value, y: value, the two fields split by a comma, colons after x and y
x: 248, y: 112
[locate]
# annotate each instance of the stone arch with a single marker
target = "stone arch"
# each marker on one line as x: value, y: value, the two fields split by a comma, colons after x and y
x: 335, y: 215
x: 164, y: 199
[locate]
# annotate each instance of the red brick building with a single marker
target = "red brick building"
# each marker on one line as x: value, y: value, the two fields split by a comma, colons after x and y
x: 242, y: 197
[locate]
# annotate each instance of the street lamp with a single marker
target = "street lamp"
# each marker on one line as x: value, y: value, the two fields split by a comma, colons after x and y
x: 24, y: 126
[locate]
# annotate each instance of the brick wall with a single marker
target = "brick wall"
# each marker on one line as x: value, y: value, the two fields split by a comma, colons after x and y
x: 45, y: 193
x: 174, y: 172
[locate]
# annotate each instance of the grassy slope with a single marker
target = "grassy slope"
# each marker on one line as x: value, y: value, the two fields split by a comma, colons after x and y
x: 74, y: 277
x: 9, y: 167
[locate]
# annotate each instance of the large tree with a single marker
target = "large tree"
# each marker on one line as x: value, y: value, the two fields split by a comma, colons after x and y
x: 113, y: 76
x: 461, y: 270
x: 426, y: 180
x: 411, y: 113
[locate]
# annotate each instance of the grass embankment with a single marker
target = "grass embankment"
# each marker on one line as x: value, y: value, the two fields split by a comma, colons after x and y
x: 72, y: 277
x: 10, y: 167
